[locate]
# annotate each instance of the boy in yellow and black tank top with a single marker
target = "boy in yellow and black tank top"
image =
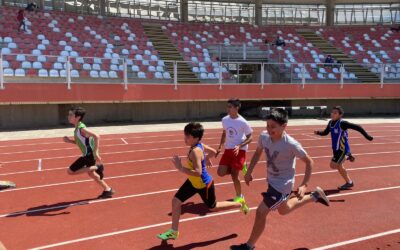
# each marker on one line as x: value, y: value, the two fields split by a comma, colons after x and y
x: 199, y: 180
x: 88, y: 143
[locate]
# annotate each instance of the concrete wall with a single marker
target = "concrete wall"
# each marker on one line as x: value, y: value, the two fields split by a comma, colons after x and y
x: 28, y: 116
x: 52, y: 115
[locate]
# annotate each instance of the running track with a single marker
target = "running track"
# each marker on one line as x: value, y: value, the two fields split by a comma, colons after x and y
x: 50, y: 209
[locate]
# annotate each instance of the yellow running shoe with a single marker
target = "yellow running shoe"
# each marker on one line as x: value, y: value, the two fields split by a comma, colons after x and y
x: 244, y: 208
x: 244, y: 170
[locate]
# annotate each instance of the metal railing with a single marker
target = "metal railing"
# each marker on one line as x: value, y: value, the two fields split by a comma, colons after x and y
x: 210, y: 11
x: 145, y: 9
x: 293, y: 14
x: 228, y: 12
x: 367, y: 14
x: 240, y: 51
x: 344, y: 14
x: 19, y: 68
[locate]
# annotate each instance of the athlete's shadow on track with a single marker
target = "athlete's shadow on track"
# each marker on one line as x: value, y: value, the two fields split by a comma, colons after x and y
x: 50, y: 210
x: 165, y: 246
x: 192, y: 208
x: 331, y: 192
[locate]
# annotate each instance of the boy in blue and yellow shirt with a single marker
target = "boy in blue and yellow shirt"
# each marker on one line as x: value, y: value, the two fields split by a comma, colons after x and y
x: 199, y: 180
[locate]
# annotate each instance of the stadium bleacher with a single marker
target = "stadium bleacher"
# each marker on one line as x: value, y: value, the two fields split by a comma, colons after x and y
x: 97, y: 53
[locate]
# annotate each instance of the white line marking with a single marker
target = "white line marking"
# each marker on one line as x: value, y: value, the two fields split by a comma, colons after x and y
x: 175, y: 189
x: 167, y: 223
x: 164, y: 158
x: 103, y: 146
x: 177, y: 147
x: 87, y: 180
x: 40, y: 165
x: 122, y: 139
x: 165, y: 140
x: 86, y: 202
x: 31, y: 171
x: 387, y: 152
x: 136, y: 229
x: 177, y: 133
x: 363, y: 192
x: 343, y: 243
x: 313, y: 137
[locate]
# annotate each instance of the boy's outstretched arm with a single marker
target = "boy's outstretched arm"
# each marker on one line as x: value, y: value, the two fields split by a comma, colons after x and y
x: 222, y: 142
x: 67, y: 140
x: 248, y: 139
x: 211, y: 153
x: 323, y: 133
x: 256, y: 157
x: 348, y: 125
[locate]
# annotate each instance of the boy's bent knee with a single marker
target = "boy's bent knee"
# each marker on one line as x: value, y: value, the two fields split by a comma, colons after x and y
x: 94, y: 175
x: 334, y: 165
x: 222, y: 171
x: 283, y: 209
x: 176, y: 202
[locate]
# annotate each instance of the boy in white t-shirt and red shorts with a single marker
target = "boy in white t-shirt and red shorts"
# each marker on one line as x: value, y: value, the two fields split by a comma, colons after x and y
x: 235, y: 137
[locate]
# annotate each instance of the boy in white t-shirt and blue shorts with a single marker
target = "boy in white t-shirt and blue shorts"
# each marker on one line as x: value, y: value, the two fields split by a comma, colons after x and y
x: 235, y: 137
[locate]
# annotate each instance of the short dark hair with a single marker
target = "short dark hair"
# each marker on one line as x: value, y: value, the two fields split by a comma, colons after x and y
x: 279, y: 115
x: 339, y: 109
x: 235, y: 102
x: 78, y: 111
x: 194, y: 129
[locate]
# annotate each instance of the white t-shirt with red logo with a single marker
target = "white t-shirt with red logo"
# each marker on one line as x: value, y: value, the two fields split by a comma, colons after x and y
x: 236, y: 131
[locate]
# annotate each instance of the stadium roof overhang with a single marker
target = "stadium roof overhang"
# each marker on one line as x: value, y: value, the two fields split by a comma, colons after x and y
x: 312, y: 1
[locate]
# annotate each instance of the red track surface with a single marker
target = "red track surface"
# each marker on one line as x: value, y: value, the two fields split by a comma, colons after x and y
x: 43, y: 211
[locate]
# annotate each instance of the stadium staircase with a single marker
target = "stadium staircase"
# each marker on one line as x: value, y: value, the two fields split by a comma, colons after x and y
x: 168, y: 51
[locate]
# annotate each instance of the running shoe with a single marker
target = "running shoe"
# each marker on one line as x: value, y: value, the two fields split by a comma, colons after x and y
x: 169, y: 235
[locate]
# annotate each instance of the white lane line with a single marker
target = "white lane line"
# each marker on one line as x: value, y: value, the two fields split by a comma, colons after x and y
x: 171, y: 190
x: 177, y: 135
x: 178, y: 147
x: 363, y: 192
x: 126, y: 136
x: 164, y: 158
x: 103, y: 146
x: 313, y: 137
x: 122, y: 139
x: 167, y: 223
x: 136, y: 229
x: 347, y: 242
